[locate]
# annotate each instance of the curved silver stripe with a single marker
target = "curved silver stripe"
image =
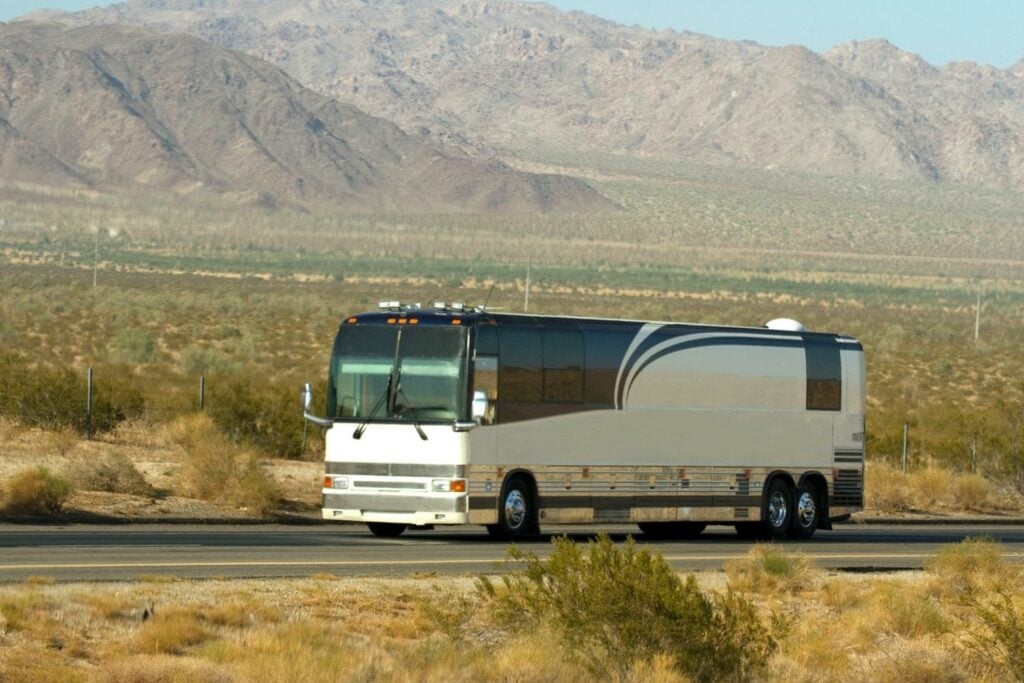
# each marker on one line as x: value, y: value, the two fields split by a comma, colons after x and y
x: 646, y: 331
x: 686, y: 339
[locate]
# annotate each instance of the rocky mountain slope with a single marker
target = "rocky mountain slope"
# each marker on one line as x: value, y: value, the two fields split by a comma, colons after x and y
x: 526, y: 79
x: 118, y: 107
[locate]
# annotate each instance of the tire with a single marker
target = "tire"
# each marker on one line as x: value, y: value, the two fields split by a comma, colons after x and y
x: 778, y: 510
x: 672, y: 530
x: 806, y: 511
x: 386, y: 529
x: 517, y: 512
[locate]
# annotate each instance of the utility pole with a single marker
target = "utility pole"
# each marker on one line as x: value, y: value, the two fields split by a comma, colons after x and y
x: 906, y: 434
x: 977, y: 315
x: 529, y: 265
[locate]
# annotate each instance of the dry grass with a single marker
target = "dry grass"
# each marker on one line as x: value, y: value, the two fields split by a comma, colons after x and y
x: 769, y: 569
x: 171, y: 631
x: 901, y: 627
x: 214, y: 468
x: 112, y: 472
x: 933, y: 489
x: 36, y: 491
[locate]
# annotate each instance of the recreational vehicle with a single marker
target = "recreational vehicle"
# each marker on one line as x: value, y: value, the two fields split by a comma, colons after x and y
x: 449, y: 415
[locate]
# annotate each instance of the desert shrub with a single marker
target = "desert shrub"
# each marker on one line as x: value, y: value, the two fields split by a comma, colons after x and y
x: 260, y: 414
x: 133, y: 345
x: 114, y: 473
x: 972, y: 492
x: 171, y: 631
x: 613, y: 607
x: 961, y: 570
x: 214, y: 468
x: 768, y: 568
x: 931, y: 486
x: 55, y: 398
x: 199, y: 360
x: 1003, y: 638
x: 62, y: 440
x: 886, y: 489
x: 36, y: 491
x: 908, y: 612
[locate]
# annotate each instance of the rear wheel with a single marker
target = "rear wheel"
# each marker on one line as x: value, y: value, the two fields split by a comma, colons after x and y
x: 386, y: 529
x: 670, y: 530
x: 805, y: 517
x: 778, y: 510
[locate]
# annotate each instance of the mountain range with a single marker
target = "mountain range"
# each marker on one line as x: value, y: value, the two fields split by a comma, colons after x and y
x: 525, y: 80
x: 123, y: 108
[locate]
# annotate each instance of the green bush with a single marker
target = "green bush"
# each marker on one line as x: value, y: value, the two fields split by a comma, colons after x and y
x: 615, y: 607
x: 1003, y: 638
x: 113, y: 473
x: 197, y: 360
x: 55, y: 398
x: 133, y: 345
x: 36, y: 491
x: 260, y: 414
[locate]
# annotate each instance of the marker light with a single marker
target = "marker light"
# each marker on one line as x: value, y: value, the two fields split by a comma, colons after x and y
x: 335, y: 482
x: 448, y: 485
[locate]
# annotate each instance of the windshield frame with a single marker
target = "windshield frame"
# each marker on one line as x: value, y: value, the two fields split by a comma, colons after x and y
x: 382, y: 364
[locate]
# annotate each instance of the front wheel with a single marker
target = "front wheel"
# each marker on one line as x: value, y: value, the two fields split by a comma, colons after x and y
x: 386, y: 529
x: 517, y: 513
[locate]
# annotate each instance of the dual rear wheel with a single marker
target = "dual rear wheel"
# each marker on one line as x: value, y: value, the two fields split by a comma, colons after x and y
x: 789, y: 512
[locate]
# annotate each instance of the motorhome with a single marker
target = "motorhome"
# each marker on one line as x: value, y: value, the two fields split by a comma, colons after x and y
x: 448, y: 415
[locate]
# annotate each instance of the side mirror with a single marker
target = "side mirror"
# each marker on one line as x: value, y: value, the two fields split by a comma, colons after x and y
x: 307, y: 405
x: 479, y: 406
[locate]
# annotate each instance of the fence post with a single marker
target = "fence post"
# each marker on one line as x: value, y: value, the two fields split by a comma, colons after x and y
x: 906, y: 433
x: 88, y: 404
x: 202, y: 392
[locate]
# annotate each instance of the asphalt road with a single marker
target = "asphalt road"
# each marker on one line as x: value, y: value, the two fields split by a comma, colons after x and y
x: 113, y: 553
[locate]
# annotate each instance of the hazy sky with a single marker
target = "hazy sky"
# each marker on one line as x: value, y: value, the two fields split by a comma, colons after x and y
x: 939, y: 30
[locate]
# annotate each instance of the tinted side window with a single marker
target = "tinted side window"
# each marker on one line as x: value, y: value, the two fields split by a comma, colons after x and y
x: 520, y: 374
x: 605, y: 352
x: 824, y: 375
x: 563, y: 364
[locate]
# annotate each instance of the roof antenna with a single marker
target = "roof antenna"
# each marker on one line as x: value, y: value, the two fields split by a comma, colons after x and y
x: 487, y: 300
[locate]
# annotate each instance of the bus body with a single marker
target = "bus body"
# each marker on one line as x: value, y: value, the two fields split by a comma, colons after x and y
x: 441, y: 416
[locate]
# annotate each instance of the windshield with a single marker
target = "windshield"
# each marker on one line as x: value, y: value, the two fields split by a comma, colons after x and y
x: 429, y: 379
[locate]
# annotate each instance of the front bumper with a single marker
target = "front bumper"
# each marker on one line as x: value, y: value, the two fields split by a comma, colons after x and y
x: 416, y: 510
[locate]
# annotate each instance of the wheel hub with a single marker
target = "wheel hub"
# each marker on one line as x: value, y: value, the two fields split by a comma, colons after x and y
x: 806, y: 509
x: 777, y: 511
x: 515, y: 509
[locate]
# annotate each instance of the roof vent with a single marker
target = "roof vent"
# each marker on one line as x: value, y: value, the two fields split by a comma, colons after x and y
x: 785, y: 325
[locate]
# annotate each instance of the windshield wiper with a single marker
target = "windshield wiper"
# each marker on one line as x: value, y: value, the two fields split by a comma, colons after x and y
x: 358, y: 433
x: 407, y: 407
x: 388, y: 396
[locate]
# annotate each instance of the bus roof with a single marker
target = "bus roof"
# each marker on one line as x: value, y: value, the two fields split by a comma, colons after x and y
x: 472, y: 317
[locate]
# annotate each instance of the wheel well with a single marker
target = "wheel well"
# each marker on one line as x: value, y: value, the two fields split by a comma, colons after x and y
x: 784, y: 476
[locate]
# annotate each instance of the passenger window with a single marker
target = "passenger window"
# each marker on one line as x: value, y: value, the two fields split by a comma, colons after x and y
x: 824, y: 375
x: 563, y: 365
x: 485, y: 383
x: 521, y: 375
